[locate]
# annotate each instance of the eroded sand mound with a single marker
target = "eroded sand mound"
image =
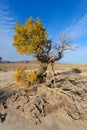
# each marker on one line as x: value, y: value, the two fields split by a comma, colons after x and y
x: 46, y: 108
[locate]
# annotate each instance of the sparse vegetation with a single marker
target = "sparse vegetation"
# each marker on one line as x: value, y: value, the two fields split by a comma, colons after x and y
x: 76, y: 70
x: 24, y: 78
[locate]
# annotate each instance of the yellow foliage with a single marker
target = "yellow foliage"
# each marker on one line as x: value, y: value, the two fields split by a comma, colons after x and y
x: 30, y: 37
x: 25, y: 78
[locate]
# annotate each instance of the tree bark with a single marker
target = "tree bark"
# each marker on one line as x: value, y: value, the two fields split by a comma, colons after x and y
x: 53, y: 71
x: 42, y: 69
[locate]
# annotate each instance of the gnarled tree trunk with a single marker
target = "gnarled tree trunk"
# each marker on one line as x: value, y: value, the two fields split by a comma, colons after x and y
x: 41, y: 72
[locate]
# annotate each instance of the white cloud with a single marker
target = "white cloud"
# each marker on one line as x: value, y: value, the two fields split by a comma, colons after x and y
x: 77, y: 31
x: 78, y: 28
x: 6, y: 22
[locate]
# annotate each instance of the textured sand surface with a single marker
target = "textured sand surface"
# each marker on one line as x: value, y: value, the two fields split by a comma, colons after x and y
x: 62, y: 108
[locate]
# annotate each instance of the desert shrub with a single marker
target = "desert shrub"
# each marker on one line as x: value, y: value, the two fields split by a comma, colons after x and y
x: 25, y: 78
x: 76, y: 70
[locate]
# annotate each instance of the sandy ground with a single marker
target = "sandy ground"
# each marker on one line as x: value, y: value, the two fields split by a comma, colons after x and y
x: 64, y: 111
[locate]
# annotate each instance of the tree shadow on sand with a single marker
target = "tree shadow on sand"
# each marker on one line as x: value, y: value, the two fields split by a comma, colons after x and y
x: 7, y: 92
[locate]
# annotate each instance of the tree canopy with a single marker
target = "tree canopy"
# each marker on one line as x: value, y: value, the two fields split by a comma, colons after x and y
x: 32, y: 38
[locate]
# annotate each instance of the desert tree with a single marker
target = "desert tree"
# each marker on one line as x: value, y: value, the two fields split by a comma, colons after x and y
x: 0, y: 58
x: 32, y: 38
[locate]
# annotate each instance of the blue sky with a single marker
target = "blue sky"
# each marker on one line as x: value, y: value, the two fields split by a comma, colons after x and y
x: 58, y: 16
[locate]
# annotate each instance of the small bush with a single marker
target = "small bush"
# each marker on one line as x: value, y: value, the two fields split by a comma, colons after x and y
x: 24, y: 78
x: 76, y: 70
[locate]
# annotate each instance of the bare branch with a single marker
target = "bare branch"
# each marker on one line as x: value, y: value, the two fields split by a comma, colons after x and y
x: 63, y: 45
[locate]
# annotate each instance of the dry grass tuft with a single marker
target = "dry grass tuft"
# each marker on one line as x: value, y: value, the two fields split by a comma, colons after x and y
x: 76, y: 70
x: 24, y: 78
